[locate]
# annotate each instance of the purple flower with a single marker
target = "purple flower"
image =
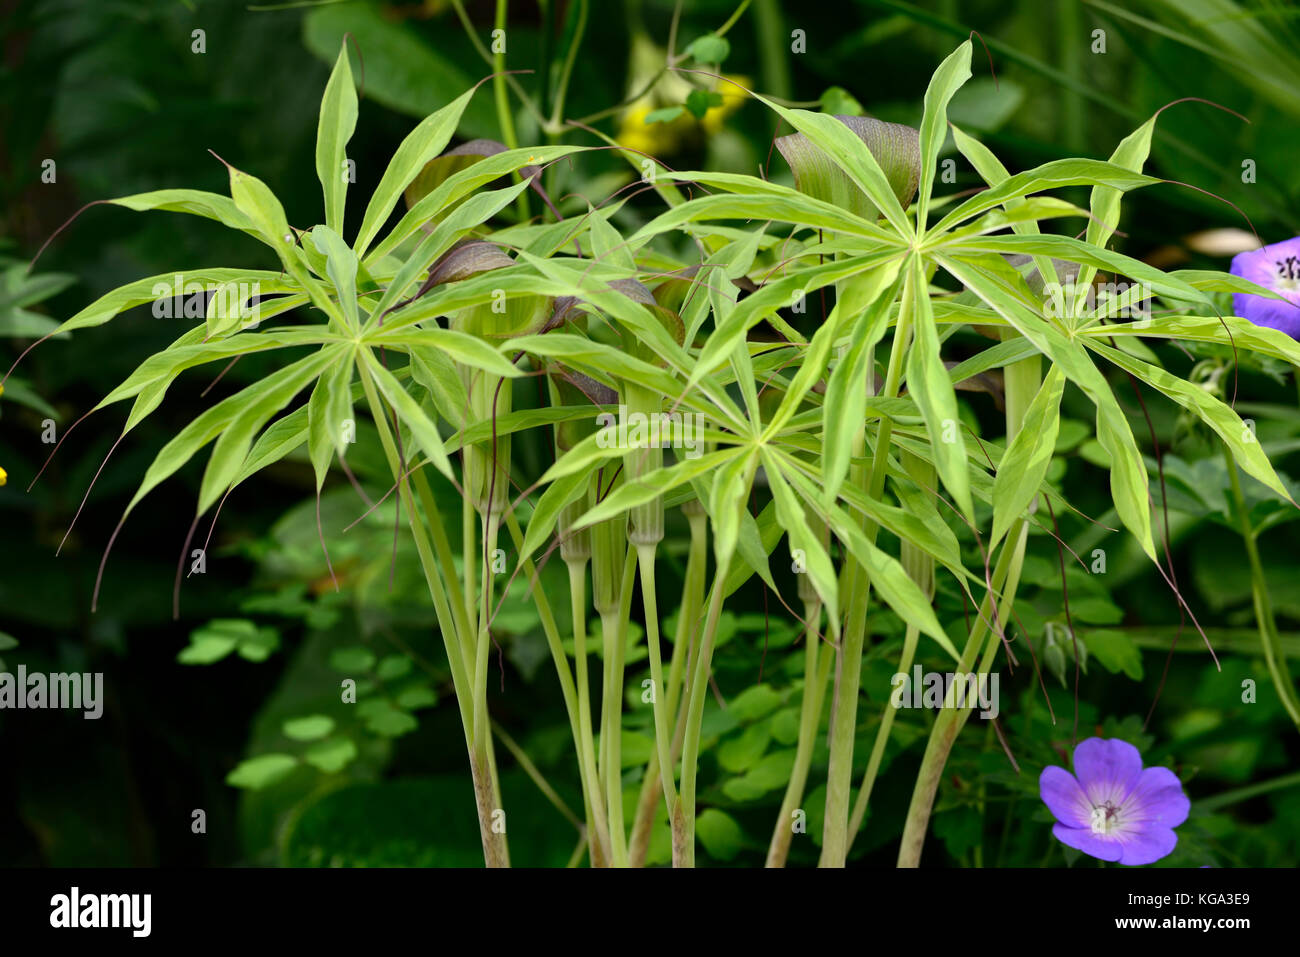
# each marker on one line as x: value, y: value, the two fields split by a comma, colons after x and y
x: 1111, y: 808
x: 1275, y: 267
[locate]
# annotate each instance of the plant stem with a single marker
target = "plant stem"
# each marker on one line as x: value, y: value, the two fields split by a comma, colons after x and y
x: 1228, y: 798
x: 1022, y: 381
x: 570, y: 57
x: 731, y: 21
x: 597, y: 835
x: 1274, y: 656
x: 816, y: 671
x: 951, y: 718
x: 614, y: 636
x: 502, y: 97
x: 469, y: 562
x: 585, y: 740
x: 848, y: 667
x: 646, y: 559
x: 683, y: 645
x: 882, y: 738
x: 682, y: 815
x: 774, y: 62
x: 495, y: 853
x: 442, y: 549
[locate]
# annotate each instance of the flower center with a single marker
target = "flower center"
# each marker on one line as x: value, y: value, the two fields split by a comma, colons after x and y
x: 1288, y: 273
x: 1105, y: 818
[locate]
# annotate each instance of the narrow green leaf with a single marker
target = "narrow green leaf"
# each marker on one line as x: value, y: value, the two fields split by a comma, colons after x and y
x: 929, y: 385
x: 1024, y: 464
x: 852, y: 155
x: 273, y: 392
x: 338, y: 120
x: 463, y: 348
x: 1128, y: 475
x: 341, y: 265
x: 1216, y: 414
x: 258, y: 404
x: 803, y: 539
x: 844, y: 410
x: 652, y: 485
x: 953, y: 72
x: 727, y: 498
x: 328, y: 409
x: 558, y: 494
x: 421, y: 145
x: 409, y: 412
x: 1067, y: 172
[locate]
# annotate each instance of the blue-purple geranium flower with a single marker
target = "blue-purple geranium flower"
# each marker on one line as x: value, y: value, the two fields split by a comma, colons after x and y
x: 1111, y: 807
x: 1275, y: 267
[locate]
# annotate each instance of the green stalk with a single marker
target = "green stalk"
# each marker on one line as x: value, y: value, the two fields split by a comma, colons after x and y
x: 566, y: 72
x: 882, y: 738
x: 683, y: 811
x: 495, y: 853
x: 1228, y: 798
x: 502, y: 98
x: 468, y: 558
x: 645, y: 529
x: 951, y: 719
x: 920, y: 568
x: 585, y: 739
x: 595, y: 825
x: 816, y: 671
x: 614, y: 636
x: 663, y: 747
x: 1073, y: 115
x: 848, y: 668
x: 1274, y: 655
x: 1022, y: 381
x: 773, y: 55
x: 442, y: 549
x: 692, y: 599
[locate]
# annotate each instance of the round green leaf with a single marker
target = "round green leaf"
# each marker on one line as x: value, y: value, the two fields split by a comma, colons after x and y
x: 308, y: 728
x: 261, y: 771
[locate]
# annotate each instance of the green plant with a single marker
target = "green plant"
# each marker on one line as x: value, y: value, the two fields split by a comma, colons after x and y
x: 649, y: 326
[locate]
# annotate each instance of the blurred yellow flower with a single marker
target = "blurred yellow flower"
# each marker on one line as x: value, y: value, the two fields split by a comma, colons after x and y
x: 669, y: 93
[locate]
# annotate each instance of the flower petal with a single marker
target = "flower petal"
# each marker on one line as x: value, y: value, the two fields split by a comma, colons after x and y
x: 1107, y: 769
x: 1157, y: 800
x: 1260, y: 266
x: 1270, y: 313
x: 1061, y: 793
x: 1094, y: 845
x: 1145, y: 845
